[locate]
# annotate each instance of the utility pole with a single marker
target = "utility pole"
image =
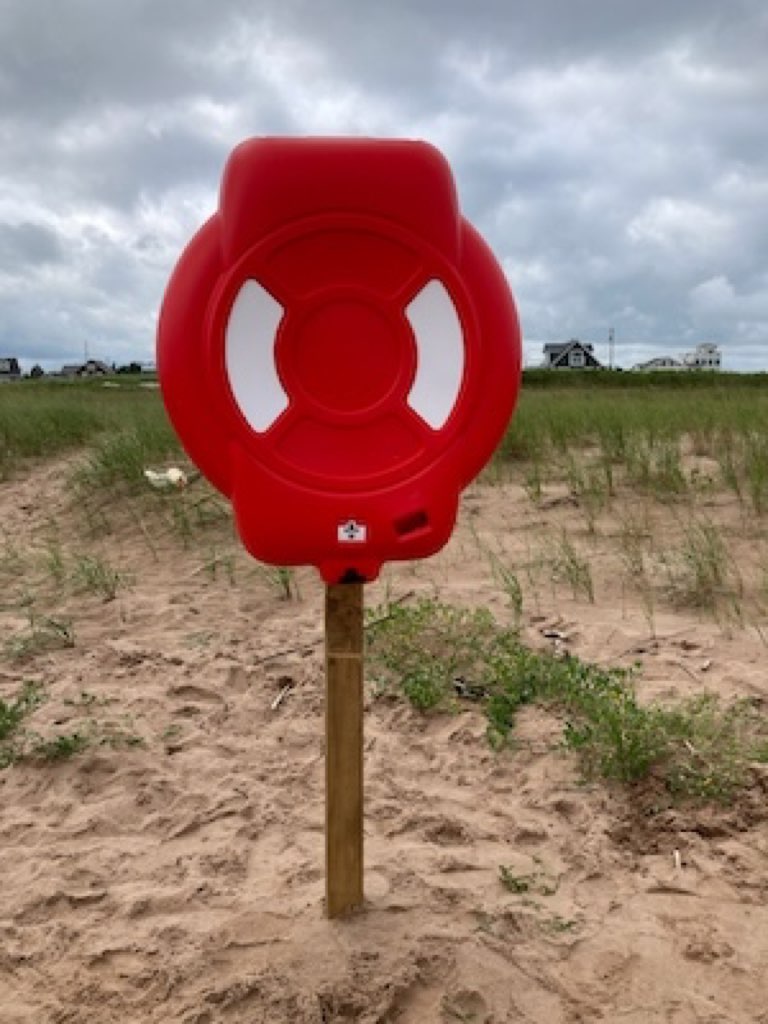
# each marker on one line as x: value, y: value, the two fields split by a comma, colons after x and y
x: 611, y: 339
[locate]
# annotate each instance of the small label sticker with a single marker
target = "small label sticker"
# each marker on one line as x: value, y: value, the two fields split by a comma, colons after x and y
x: 352, y: 532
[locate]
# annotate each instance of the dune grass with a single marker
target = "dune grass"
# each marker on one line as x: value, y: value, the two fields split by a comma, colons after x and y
x: 601, y: 442
x: 618, y: 423
x: 42, y: 419
x: 633, y: 423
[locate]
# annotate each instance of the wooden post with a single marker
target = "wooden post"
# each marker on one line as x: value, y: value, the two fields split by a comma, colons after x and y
x: 343, y: 748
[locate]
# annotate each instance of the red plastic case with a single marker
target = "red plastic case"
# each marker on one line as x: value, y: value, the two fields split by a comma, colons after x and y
x: 339, y: 351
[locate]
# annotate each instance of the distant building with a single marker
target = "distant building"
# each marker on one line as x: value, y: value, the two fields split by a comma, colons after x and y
x: 570, y: 355
x: 660, y: 363
x: 706, y: 356
x: 91, y: 368
x: 9, y: 368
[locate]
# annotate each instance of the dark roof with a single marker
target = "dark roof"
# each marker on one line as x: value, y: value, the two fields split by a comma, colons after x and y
x: 558, y: 353
x: 91, y: 366
x: 561, y: 346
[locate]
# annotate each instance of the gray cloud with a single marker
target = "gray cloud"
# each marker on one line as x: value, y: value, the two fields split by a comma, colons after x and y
x: 613, y: 154
x: 22, y: 245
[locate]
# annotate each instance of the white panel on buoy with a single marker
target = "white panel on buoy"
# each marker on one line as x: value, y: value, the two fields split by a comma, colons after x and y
x: 249, y: 345
x: 439, y: 354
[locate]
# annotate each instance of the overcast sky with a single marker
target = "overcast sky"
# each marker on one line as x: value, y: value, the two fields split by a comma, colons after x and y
x: 614, y: 153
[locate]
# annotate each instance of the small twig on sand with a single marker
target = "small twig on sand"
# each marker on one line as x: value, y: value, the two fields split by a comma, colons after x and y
x: 304, y: 648
x: 688, y: 671
x: 281, y: 696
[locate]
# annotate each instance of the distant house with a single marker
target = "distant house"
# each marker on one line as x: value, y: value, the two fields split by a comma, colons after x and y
x: 706, y: 356
x: 9, y: 369
x: 570, y: 355
x: 91, y: 368
x: 660, y: 363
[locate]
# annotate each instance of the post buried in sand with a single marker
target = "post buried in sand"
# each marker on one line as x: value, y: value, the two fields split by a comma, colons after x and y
x: 343, y: 748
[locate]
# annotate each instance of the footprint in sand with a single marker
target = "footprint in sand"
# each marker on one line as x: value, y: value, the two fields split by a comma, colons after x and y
x: 466, y: 1004
x: 197, y: 700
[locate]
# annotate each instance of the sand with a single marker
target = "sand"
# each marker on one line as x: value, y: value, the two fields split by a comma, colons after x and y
x: 181, y: 880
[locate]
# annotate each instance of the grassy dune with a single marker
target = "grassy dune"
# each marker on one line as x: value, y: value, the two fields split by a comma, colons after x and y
x: 41, y: 419
x: 644, y: 463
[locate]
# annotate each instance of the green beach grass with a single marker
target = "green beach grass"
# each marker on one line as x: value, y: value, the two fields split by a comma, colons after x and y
x: 601, y: 436
x: 45, y: 418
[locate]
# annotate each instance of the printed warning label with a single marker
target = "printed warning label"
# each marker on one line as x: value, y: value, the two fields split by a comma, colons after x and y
x: 352, y: 532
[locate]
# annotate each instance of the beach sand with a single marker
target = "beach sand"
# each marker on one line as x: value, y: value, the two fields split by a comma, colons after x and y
x: 181, y: 881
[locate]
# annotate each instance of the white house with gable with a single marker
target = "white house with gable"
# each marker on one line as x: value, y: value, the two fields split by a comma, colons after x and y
x: 706, y: 356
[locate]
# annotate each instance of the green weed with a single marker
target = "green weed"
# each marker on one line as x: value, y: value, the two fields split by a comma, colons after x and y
x: 13, y: 714
x: 87, y: 701
x: 699, y: 570
x: 13, y: 562
x: 634, y: 542
x: 94, y: 575
x: 669, y: 480
x: 728, y: 459
x: 425, y: 648
x: 756, y: 472
x: 711, y: 746
x: 507, y: 580
x: 569, y: 565
x: 42, y: 634
x: 281, y: 579
x: 54, y: 561
x: 612, y: 439
x: 589, y: 485
x: 559, y: 925
x: 533, y: 481
x: 514, y: 883
x: 534, y: 882
x: 59, y: 747
x: 697, y: 749
x: 19, y: 742
x: 221, y: 563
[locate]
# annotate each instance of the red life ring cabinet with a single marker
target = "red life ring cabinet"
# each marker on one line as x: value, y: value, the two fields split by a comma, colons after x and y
x: 339, y: 351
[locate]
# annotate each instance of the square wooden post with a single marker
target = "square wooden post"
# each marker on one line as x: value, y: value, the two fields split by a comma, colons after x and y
x: 343, y: 748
